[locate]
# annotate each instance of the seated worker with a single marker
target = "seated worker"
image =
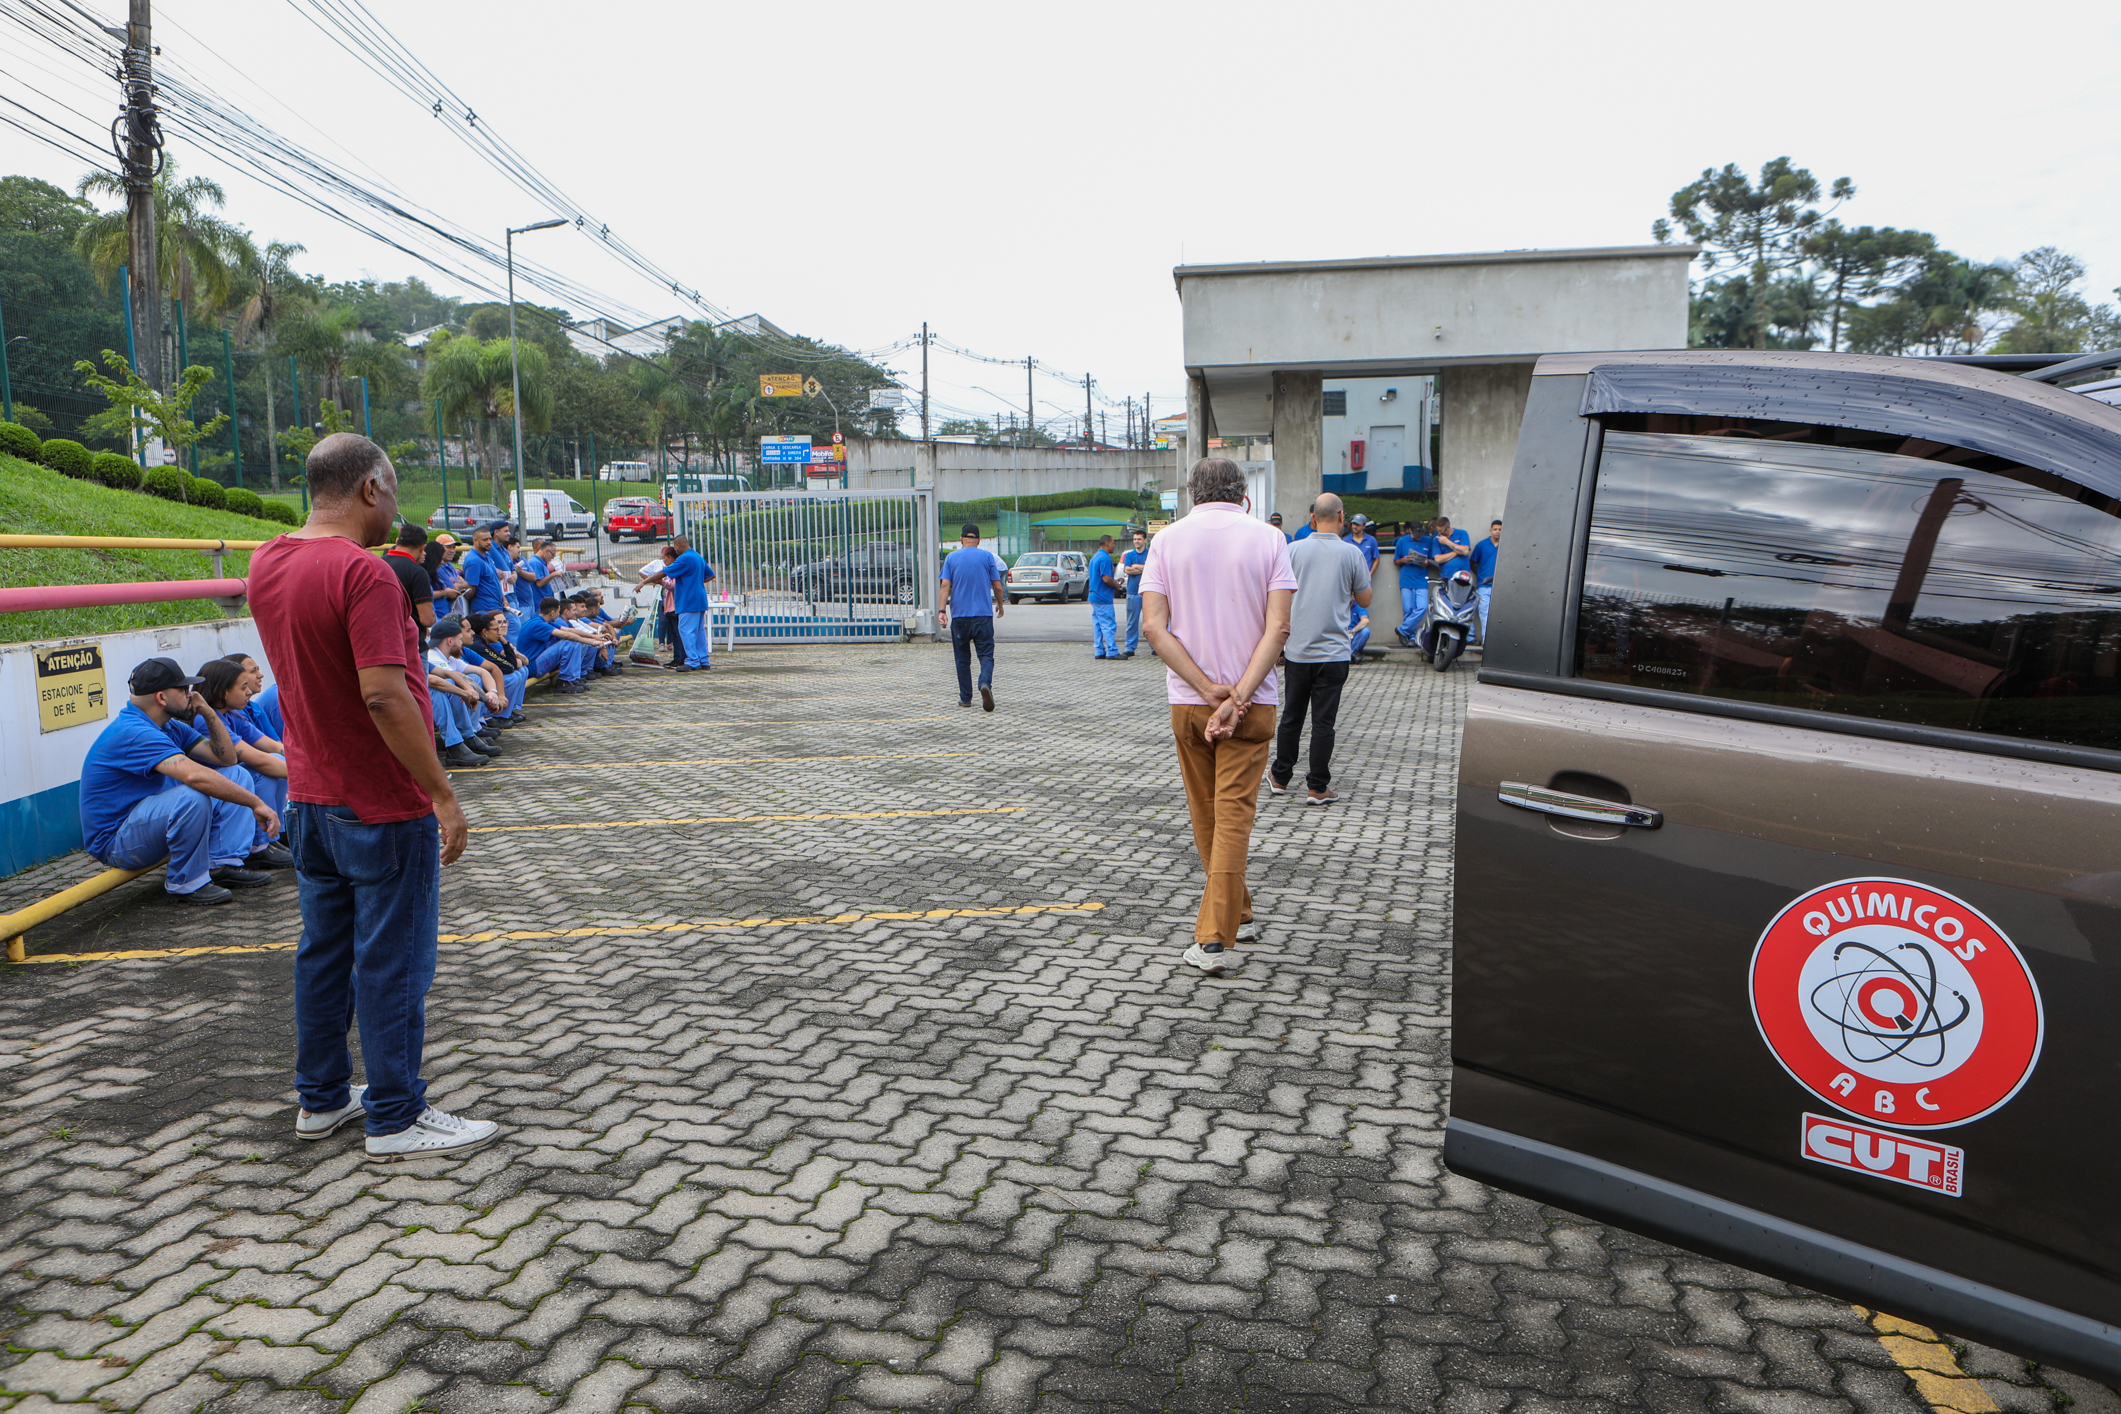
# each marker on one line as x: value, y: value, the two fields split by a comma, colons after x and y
x: 224, y: 685
x: 1359, y: 631
x: 457, y: 704
x: 489, y: 648
x: 155, y: 787
x: 580, y: 611
x: 493, y: 695
x: 448, y: 586
x: 547, y: 643
x: 264, y: 721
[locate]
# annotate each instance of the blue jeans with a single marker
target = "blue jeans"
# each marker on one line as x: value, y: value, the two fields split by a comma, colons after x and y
x: 1134, y: 622
x: 1415, y: 601
x: 970, y: 633
x: 371, y: 905
x: 692, y: 629
x: 1105, y: 630
x: 572, y: 659
x: 192, y: 830
x: 1484, y: 594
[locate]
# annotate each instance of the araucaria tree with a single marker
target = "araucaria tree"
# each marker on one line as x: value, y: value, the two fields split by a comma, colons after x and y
x: 1757, y: 225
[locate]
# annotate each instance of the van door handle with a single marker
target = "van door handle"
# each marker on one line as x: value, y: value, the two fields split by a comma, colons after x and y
x: 1577, y: 807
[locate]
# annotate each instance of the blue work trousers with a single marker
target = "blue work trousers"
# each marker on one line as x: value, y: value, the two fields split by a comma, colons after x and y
x: 1105, y: 628
x: 194, y: 831
x: 371, y: 906
x: 571, y: 658
x: 1134, y: 622
x: 969, y: 634
x: 1484, y: 594
x: 517, y: 683
x: 692, y: 631
x: 272, y: 790
x: 1414, y: 599
x: 1359, y: 639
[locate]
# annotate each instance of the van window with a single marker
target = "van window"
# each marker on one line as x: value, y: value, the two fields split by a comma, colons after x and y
x: 575, y: 507
x: 1841, y: 571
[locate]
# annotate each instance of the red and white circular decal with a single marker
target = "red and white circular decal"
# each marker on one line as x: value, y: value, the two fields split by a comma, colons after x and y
x: 1896, y: 1002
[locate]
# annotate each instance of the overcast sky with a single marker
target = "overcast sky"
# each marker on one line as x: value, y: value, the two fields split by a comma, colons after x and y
x: 1025, y: 176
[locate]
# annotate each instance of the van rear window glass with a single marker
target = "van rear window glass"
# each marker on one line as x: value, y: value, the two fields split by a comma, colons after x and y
x: 1922, y: 585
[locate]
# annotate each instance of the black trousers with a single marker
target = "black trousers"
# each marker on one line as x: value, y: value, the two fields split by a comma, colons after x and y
x: 1312, y: 687
x: 668, y: 632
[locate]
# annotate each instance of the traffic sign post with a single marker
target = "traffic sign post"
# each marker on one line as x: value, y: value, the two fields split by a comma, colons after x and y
x: 780, y: 385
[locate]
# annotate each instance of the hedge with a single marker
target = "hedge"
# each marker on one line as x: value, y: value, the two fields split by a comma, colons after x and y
x: 18, y: 441
x: 1052, y: 501
x: 117, y: 469
x: 68, y: 458
x: 165, y: 481
x: 241, y: 501
x: 279, y: 511
x: 203, y: 491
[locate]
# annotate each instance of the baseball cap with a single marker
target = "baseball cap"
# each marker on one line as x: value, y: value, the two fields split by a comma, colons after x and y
x: 443, y: 631
x: 445, y: 538
x: 159, y: 675
x: 970, y: 529
x: 1359, y: 519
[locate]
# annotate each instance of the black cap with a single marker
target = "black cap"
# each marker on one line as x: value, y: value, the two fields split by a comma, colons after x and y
x: 159, y: 675
x: 969, y: 529
x: 444, y: 630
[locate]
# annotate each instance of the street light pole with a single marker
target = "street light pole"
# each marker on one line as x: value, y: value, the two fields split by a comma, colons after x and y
x: 515, y: 372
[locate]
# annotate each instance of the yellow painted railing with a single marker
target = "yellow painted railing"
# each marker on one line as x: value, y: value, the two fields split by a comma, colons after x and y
x: 122, y: 542
x: 14, y: 925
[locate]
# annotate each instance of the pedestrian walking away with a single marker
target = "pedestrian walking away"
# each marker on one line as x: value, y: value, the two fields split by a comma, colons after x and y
x: 1104, y: 588
x: 1217, y: 593
x: 972, y: 600
x: 1131, y: 566
x: 1332, y: 580
x: 688, y: 576
x: 1484, y: 557
x: 372, y: 816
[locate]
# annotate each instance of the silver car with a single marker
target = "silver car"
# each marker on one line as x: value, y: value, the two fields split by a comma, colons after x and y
x: 1059, y: 575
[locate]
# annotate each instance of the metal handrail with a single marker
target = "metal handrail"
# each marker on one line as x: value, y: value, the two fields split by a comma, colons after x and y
x: 122, y: 542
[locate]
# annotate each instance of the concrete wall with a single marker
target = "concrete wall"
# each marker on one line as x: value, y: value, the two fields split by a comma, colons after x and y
x: 962, y: 472
x: 1299, y: 454
x: 40, y: 772
x: 1483, y: 409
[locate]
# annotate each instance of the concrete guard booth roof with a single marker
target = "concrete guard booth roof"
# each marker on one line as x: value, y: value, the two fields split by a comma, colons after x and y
x: 1260, y: 340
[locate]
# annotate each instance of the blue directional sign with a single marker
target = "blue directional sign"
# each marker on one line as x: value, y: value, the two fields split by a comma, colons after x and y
x: 785, y: 450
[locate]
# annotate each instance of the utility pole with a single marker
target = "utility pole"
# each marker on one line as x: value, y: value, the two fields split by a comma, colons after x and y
x: 1089, y: 426
x: 140, y: 160
x: 925, y: 437
x: 1030, y: 410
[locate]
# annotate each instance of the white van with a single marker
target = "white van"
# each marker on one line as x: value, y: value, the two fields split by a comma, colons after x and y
x: 553, y: 513
x: 625, y: 471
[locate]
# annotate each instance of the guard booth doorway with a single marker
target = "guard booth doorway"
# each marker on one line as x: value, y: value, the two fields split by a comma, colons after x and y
x: 816, y: 566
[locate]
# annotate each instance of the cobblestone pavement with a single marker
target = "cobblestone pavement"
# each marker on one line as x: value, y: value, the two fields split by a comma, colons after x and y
x: 846, y: 1060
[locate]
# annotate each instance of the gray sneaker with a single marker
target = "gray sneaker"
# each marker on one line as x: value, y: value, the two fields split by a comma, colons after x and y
x: 1211, y: 958
x: 318, y: 1126
x: 434, y: 1135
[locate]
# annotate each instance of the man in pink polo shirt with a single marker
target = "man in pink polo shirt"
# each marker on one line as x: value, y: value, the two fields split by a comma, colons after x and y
x: 1215, y: 604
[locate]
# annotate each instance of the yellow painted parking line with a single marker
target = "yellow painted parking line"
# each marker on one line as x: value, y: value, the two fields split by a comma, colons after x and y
x: 753, y: 819
x: 810, y: 920
x: 157, y: 952
x: 735, y: 761
x: 1931, y: 1364
x: 617, y: 929
x: 742, y: 722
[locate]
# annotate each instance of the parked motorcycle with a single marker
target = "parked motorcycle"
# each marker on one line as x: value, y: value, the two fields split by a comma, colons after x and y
x: 1448, y: 626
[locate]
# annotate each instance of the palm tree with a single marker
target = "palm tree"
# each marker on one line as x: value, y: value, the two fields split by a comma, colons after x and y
x: 471, y: 379
x: 200, y: 255
x: 274, y: 292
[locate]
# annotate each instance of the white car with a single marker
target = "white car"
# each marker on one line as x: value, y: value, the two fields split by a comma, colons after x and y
x: 1059, y: 575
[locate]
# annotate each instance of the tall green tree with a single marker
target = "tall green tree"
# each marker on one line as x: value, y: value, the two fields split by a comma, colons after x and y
x: 1855, y: 263
x: 2053, y: 316
x: 200, y: 255
x: 335, y: 345
x: 275, y: 293
x: 471, y: 378
x: 54, y: 310
x: 1757, y: 225
x: 1946, y: 306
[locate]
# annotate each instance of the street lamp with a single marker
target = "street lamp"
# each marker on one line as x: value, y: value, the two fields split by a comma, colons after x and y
x: 515, y: 373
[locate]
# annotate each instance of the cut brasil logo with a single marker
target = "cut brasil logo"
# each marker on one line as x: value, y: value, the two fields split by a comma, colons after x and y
x: 1896, y: 1002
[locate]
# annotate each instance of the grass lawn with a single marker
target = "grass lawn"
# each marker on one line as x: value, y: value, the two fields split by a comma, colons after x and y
x: 37, y: 501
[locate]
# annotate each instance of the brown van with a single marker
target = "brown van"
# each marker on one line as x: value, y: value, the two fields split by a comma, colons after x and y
x: 1789, y: 831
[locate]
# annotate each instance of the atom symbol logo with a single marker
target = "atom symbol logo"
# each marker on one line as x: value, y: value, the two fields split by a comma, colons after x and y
x: 1885, y: 1004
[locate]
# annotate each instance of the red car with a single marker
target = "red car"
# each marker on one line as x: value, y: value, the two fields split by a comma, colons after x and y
x: 639, y: 517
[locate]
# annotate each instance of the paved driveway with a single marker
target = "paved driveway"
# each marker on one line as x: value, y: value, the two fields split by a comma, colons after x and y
x: 846, y: 1060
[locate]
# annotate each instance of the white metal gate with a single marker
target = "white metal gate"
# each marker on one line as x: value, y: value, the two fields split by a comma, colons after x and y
x: 817, y: 566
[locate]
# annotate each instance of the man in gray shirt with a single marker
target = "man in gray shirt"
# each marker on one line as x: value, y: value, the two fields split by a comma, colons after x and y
x: 1331, y: 574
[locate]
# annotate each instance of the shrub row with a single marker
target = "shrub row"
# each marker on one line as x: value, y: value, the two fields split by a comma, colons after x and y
x: 70, y: 458
x: 1052, y: 501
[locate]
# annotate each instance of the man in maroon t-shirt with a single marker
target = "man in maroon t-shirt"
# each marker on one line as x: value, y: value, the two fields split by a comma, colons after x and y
x: 371, y: 816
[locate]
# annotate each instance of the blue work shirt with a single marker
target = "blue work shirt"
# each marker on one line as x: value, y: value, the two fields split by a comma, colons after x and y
x: 1441, y: 545
x: 120, y: 770
x: 1303, y: 532
x: 1100, y: 566
x: 971, y: 572
x: 485, y: 584
x: 535, y: 636
x: 1484, y: 562
x: 1412, y: 576
x: 687, y: 576
x: 528, y: 593
x: 264, y: 709
x: 1132, y: 557
x: 1368, y: 545
x: 242, y: 727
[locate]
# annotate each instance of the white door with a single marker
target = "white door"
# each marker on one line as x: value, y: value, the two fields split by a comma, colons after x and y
x: 1385, y: 459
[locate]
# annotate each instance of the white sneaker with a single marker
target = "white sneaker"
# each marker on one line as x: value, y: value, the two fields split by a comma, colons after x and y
x: 434, y: 1135
x: 1211, y: 964
x: 318, y: 1126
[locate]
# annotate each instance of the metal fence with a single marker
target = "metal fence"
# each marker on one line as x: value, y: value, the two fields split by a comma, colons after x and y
x: 817, y: 566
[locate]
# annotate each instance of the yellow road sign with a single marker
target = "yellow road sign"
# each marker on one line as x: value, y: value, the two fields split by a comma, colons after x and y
x: 813, y: 387
x: 70, y: 687
x: 780, y: 385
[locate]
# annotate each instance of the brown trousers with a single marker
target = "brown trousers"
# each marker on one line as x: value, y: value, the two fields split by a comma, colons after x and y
x: 1222, y: 793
